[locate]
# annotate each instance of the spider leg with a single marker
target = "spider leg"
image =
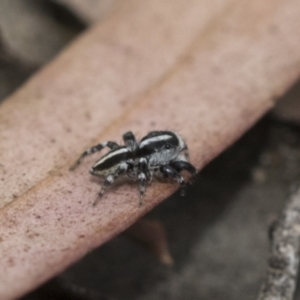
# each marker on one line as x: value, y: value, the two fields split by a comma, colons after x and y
x: 170, y: 172
x: 130, y: 141
x: 96, y: 148
x: 144, y: 176
x: 109, y: 180
x: 142, y: 186
x: 184, y: 165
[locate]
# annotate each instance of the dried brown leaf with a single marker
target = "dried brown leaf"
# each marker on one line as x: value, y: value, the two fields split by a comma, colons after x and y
x: 208, y: 70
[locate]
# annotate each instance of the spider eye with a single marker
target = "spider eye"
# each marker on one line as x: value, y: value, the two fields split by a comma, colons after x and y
x: 167, y: 146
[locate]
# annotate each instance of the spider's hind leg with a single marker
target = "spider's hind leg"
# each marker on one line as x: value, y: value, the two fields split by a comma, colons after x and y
x: 96, y: 148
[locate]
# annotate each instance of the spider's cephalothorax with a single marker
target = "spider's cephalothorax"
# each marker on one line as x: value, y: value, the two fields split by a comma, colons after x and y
x: 160, y: 153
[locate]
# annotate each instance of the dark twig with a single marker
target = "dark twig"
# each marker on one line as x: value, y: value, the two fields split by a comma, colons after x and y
x: 282, y: 271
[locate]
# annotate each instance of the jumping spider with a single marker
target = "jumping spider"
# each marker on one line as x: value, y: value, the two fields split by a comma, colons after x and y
x: 161, y: 154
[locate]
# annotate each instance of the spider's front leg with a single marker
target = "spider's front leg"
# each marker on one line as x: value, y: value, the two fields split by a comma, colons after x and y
x: 170, y: 172
x: 144, y: 176
x: 96, y: 148
x: 184, y: 165
x: 173, y: 170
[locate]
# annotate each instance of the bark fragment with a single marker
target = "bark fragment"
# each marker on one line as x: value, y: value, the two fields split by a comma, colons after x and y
x: 283, y: 262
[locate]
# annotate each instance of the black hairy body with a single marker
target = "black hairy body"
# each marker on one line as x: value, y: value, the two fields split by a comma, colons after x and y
x: 160, y: 154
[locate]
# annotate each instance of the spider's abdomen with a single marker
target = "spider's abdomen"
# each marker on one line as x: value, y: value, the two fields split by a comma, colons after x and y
x: 111, y: 161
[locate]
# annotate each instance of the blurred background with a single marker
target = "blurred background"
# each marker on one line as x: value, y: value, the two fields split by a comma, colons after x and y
x: 217, y: 234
